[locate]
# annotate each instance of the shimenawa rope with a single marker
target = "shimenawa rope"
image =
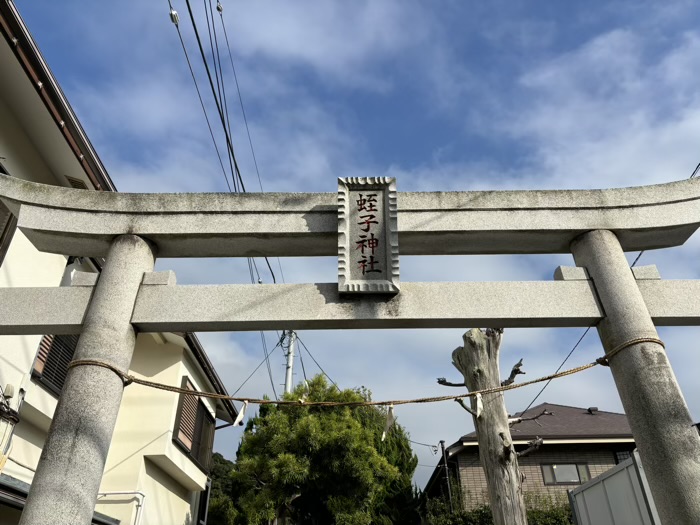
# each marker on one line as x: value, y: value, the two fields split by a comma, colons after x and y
x: 128, y: 379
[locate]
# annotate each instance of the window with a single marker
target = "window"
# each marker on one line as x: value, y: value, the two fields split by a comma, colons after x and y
x: 203, y: 505
x: 622, y: 455
x: 194, y: 428
x: 51, y: 364
x: 565, y: 474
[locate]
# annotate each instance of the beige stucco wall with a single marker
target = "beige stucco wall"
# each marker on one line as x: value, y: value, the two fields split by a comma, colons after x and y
x: 22, y: 158
x: 23, y: 266
x: 27, y: 443
x: 142, y: 443
x: 143, y: 456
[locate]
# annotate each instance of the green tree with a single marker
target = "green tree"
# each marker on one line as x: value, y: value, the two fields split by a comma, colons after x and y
x: 222, y: 510
x: 323, y: 465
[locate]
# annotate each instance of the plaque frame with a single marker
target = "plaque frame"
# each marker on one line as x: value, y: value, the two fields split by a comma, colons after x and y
x: 389, y: 212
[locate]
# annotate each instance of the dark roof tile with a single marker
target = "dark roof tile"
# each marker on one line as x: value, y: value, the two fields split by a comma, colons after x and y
x: 567, y: 423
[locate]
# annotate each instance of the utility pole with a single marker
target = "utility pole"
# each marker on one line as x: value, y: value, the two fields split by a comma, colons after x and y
x: 447, y: 475
x: 290, y: 361
x: 477, y: 360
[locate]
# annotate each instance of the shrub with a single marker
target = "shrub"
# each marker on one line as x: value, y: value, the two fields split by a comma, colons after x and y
x: 541, y: 510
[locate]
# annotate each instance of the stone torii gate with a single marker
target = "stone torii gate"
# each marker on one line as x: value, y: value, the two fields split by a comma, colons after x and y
x: 130, y: 230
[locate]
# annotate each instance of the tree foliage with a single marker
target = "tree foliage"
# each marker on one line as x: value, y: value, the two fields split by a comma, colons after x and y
x: 320, y: 465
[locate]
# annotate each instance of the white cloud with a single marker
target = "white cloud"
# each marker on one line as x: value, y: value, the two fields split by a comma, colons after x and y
x: 341, y: 42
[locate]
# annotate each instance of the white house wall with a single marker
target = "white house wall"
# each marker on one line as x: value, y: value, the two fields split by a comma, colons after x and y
x: 142, y: 456
x: 27, y: 442
x: 21, y: 157
x: 167, y: 501
x: 24, y: 265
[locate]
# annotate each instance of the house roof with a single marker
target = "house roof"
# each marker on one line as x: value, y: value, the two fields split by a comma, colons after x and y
x: 566, y: 422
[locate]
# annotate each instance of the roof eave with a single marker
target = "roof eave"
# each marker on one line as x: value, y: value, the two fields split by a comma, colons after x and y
x: 205, y: 364
x: 28, y: 55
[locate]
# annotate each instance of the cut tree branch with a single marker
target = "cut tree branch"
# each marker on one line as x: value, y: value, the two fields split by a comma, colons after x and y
x: 514, y: 372
x: 533, y: 445
x: 444, y: 382
x: 479, y: 406
x: 516, y: 420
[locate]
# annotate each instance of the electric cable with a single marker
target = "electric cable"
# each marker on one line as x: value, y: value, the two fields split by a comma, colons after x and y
x: 256, y: 369
x: 236, y: 176
x: 314, y: 359
x: 303, y: 369
x: 238, y: 88
x: 176, y: 22
x: 433, y: 448
x: 213, y: 90
x: 219, y: 74
x: 220, y: 9
x: 560, y: 367
x: 267, y: 360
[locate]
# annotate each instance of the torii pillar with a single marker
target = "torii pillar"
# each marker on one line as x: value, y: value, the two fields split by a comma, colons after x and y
x: 68, y: 476
x: 668, y: 441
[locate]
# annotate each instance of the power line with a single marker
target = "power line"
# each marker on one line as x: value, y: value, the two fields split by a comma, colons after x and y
x: 424, y: 444
x: 314, y: 359
x: 218, y: 72
x: 226, y: 123
x: 220, y: 9
x: 256, y: 369
x: 238, y: 88
x: 176, y: 21
x: 213, y: 90
x: 236, y: 176
x: 433, y: 448
x: 301, y: 360
x: 638, y: 257
x: 267, y: 360
x: 560, y: 367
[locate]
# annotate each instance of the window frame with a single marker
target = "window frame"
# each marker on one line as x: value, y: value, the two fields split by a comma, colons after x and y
x: 578, y: 466
x: 56, y: 356
x: 202, y: 511
x: 200, y: 447
x: 618, y: 453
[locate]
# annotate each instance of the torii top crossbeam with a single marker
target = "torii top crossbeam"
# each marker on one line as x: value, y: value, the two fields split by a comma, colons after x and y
x: 83, y: 223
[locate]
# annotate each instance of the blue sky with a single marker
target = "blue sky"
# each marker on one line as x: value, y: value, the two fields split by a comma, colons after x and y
x: 443, y: 96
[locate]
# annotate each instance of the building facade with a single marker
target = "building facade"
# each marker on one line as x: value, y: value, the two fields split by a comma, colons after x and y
x: 578, y: 445
x: 157, y: 466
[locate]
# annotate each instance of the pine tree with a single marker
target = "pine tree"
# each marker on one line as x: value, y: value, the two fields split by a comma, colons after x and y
x: 322, y: 465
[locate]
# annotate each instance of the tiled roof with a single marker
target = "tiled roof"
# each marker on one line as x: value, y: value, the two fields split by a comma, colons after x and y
x: 567, y: 423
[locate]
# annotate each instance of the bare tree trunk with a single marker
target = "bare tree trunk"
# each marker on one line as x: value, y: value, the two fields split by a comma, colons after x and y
x: 477, y: 360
